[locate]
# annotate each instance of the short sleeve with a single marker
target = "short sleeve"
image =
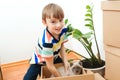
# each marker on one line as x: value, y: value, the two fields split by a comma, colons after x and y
x: 47, y: 44
x: 47, y: 50
x: 65, y: 37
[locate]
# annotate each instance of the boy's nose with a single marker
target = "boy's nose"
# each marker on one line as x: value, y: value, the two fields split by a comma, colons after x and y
x: 58, y: 24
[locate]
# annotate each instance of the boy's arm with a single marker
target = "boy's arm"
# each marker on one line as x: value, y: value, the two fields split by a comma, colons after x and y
x: 64, y: 57
x: 51, y: 67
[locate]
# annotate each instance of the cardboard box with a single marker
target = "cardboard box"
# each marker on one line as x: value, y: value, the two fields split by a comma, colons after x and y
x: 98, y: 77
x: 111, y: 23
x: 46, y: 74
x: 112, y: 71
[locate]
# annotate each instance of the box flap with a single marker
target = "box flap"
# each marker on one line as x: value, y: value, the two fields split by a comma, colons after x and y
x: 74, y: 77
x: 110, y: 5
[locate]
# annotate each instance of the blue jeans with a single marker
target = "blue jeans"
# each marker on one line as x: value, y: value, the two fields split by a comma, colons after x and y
x: 35, y: 69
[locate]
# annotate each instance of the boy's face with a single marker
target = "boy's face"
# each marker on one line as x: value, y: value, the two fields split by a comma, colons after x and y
x: 54, y: 25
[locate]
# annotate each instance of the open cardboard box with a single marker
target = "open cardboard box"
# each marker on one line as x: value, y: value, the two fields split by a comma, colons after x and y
x: 85, y: 76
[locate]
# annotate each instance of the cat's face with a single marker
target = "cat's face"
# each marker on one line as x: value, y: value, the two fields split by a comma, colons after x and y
x: 76, y: 67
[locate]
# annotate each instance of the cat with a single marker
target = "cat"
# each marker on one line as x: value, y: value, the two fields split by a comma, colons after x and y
x: 75, y: 69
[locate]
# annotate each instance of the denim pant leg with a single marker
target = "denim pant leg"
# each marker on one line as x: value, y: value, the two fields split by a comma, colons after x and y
x: 58, y: 60
x: 33, y: 72
x: 35, y: 69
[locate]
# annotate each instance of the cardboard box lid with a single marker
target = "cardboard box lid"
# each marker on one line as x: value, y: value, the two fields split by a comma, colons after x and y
x: 110, y: 5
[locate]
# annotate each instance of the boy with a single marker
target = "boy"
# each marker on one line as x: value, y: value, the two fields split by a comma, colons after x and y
x: 50, y: 44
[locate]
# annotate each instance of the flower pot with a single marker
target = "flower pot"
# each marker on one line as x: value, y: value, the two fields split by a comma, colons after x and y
x: 96, y: 68
x: 100, y: 70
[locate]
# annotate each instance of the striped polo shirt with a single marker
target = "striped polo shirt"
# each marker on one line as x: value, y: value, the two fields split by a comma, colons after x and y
x: 47, y: 46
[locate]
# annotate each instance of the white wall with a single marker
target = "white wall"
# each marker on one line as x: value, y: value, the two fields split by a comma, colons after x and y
x: 20, y: 24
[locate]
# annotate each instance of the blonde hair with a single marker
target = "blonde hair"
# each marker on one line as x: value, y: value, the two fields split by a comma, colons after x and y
x: 52, y: 10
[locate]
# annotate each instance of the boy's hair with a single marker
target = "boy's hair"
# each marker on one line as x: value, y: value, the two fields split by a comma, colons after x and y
x: 52, y: 10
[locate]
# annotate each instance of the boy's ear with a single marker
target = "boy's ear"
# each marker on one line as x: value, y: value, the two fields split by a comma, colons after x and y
x: 44, y: 22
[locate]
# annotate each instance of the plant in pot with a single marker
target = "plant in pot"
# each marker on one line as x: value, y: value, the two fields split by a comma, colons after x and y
x: 86, y: 39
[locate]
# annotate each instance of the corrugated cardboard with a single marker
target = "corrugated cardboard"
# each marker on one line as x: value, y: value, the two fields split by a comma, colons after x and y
x: 112, y: 71
x: 46, y: 74
x: 111, y: 23
x: 98, y: 77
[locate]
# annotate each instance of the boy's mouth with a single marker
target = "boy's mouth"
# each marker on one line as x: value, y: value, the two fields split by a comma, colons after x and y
x: 58, y: 29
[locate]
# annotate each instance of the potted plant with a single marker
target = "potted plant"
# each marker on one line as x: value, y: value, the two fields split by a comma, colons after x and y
x: 86, y: 39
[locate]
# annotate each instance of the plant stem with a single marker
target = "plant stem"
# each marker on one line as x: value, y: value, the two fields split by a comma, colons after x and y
x: 99, y: 57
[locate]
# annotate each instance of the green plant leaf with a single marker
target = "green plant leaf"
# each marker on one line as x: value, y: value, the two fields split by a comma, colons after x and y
x: 90, y: 26
x: 88, y: 19
x: 88, y: 15
x: 88, y: 7
x: 68, y: 34
x: 77, y: 34
x: 66, y: 21
x: 70, y: 28
x: 88, y: 35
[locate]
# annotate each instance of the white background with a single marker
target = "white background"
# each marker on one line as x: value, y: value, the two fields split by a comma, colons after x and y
x: 20, y: 25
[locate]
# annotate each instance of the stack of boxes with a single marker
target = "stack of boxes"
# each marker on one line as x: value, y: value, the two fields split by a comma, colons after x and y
x: 111, y: 37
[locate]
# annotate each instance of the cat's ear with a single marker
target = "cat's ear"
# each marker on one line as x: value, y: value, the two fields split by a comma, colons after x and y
x: 80, y: 63
x: 71, y: 64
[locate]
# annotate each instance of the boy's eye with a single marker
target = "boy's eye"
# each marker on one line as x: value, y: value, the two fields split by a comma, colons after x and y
x: 61, y: 20
x: 52, y: 21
